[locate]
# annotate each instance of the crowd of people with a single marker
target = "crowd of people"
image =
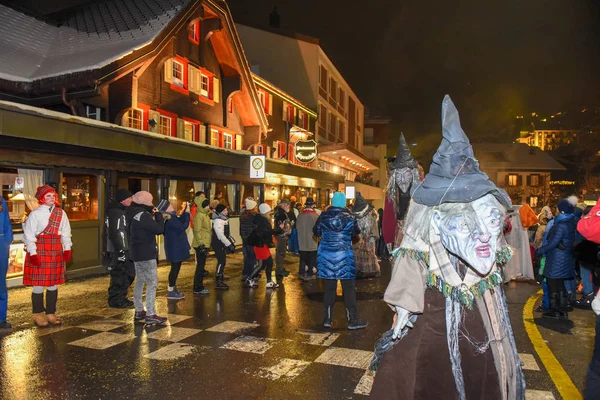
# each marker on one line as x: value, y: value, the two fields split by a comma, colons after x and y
x: 133, y: 223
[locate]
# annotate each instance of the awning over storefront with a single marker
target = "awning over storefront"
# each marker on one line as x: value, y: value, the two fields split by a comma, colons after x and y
x: 347, y: 156
x: 33, y: 128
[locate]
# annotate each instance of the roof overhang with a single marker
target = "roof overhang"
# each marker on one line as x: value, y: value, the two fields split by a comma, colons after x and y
x: 344, y: 155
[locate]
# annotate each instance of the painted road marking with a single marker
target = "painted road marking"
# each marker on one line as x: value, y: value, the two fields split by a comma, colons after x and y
x: 559, y: 376
x: 287, y: 369
x: 173, y: 333
x: 176, y: 318
x: 174, y: 351
x: 529, y: 362
x: 102, y: 341
x: 319, y: 339
x: 538, y: 395
x: 346, y: 357
x: 232, y: 327
x: 249, y: 344
x: 365, y: 385
x: 103, y: 325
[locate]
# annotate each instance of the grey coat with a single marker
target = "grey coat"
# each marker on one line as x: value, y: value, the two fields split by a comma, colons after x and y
x: 304, y: 225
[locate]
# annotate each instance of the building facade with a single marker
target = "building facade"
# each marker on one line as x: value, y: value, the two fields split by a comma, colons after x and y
x: 163, y: 101
x: 548, y: 140
x: 298, y: 65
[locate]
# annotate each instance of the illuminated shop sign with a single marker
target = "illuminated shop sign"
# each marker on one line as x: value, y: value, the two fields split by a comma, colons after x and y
x: 305, y: 151
x: 562, y: 183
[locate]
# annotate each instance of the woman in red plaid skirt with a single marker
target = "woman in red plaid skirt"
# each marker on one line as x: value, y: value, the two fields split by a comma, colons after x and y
x: 47, y: 237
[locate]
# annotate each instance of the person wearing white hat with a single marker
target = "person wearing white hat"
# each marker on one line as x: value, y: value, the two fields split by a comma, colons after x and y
x: 261, y: 238
x: 246, y: 226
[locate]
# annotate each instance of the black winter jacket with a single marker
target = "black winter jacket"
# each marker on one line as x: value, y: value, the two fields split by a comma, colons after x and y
x: 262, y: 233
x: 143, y: 228
x: 280, y: 216
x: 116, y: 228
x: 246, y: 225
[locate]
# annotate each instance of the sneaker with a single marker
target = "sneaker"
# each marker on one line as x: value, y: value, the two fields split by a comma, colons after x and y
x: 327, y: 322
x: 541, y: 309
x: 139, y: 315
x: 5, y: 325
x: 251, y: 283
x: 244, y: 277
x: 175, y: 295
x: 201, y: 291
x: 272, y: 285
x: 355, y: 324
x: 155, y: 320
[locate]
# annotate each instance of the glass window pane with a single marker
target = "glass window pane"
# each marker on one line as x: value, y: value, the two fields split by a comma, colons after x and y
x: 80, y: 196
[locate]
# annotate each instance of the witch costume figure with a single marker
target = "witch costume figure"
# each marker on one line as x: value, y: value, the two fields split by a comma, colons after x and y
x: 403, y: 172
x: 452, y: 337
x: 365, y: 250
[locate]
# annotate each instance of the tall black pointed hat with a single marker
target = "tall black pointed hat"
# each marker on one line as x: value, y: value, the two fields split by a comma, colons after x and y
x: 360, y: 203
x: 454, y: 175
x: 404, y: 158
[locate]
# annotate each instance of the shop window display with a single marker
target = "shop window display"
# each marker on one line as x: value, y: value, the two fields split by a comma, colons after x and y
x: 80, y: 196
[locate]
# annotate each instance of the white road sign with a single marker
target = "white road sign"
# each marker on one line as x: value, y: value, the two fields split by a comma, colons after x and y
x: 257, y: 167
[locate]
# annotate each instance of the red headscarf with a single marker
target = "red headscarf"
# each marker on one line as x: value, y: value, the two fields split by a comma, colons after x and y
x: 43, y: 191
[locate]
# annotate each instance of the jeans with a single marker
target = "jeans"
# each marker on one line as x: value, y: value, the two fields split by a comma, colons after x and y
x: 586, y: 277
x: 280, y: 254
x: 571, y: 286
x: 545, y: 298
x: 147, y: 275
x: 349, y: 293
x: 307, y: 259
x: 3, y: 289
x: 249, y: 259
x: 293, y: 241
x: 174, y: 273
x: 121, y: 277
x: 199, y: 274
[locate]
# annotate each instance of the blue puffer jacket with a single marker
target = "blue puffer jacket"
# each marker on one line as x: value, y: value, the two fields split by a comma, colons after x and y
x: 560, y: 264
x: 177, y: 246
x: 335, y: 258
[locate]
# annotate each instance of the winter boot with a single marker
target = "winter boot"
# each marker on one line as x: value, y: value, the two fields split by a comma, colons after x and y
x: 563, y: 305
x: 328, y: 317
x: 219, y: 284
x: 353, y: 321
x: 554, y: 302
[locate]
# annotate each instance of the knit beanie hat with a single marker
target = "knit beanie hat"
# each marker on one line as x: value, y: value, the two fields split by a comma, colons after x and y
x: 264, y: 208
x: 163, y: 205
x: 205, y: 203
x: 43, y: 191
x: 454, y: 175
x: 250, y: 203
x: 220, y: 208
x: 339, y: 200
x: 143, y: 198
x: 123, y: 194
x: 565, y: 206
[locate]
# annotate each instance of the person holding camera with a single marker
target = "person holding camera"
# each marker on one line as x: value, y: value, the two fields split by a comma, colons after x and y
x: 201, y: 242
x: 177, y: 247
x: 145, y: 222
x: 222, y: 243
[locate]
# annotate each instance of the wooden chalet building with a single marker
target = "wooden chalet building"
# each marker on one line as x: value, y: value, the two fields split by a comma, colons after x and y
x: 150, y: 95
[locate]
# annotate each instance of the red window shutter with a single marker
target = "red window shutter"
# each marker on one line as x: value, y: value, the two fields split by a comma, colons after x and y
x: 266, y: 105
x: 290, y: 113
x: 196, y: 133
x: 233, y: 141
x: 221, y: 139
x: 280, y: 149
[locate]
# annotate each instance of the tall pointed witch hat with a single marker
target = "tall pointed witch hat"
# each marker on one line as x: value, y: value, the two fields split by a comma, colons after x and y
x: 454, y: 175
x: 360, y: 203
x: 404, y: 158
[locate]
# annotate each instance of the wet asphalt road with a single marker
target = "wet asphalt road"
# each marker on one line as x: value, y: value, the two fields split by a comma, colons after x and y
x: 241, y: 343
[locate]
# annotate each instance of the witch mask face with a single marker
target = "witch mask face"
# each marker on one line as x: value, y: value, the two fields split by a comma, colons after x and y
x: 471, y: 231
x: 403, y: 178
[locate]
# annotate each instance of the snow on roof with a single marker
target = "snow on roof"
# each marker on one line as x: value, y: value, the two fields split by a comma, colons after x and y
x: 514, y: 156
x: 89, y: 37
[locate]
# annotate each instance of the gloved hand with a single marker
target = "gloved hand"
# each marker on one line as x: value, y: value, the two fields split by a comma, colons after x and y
x: 230, y: 249
x: 67, y: 255
x: 34, y: 259
x: 596, y: 303
x: 400, y: 321
x: 122, y: 256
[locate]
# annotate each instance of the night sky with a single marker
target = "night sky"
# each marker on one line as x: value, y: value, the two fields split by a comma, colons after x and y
x: 496, y: 59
